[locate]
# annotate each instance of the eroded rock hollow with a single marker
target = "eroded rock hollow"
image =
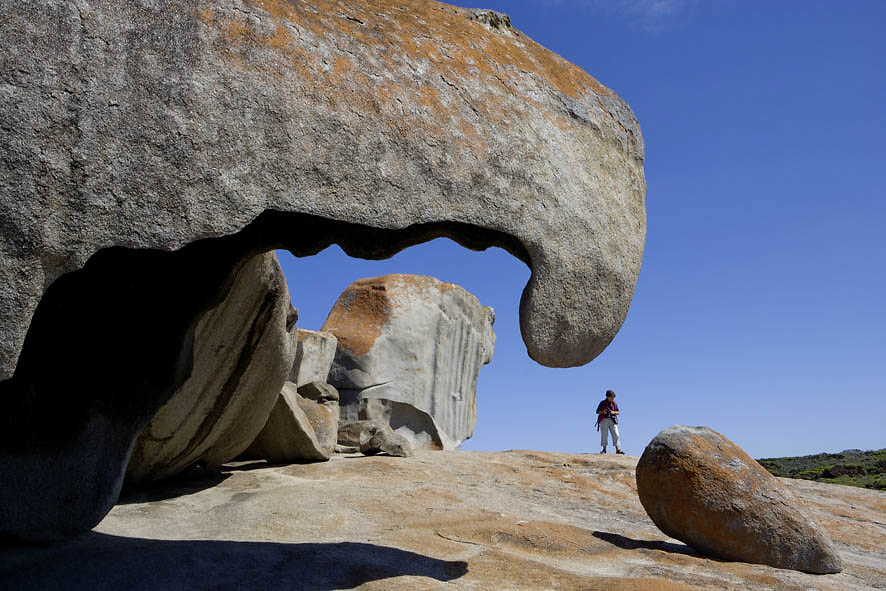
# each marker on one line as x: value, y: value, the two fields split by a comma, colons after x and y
x: 148, y: 149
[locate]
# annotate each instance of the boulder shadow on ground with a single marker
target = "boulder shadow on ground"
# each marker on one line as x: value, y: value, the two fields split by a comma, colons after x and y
x: 248, y: 465
x: 99, y: 561
x: 626, y: 543
x: 187, y: 483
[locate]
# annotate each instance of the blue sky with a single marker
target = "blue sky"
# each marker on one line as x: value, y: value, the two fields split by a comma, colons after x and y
x: 759, y: 310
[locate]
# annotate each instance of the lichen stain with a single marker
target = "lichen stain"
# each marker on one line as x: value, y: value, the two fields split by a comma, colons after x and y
x: 392, y: 43
x: 359, y: 315
x: 403, y: 283
x: 361, y: 312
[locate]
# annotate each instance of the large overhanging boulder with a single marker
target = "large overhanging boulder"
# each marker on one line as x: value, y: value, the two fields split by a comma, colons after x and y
x: 148, y: 148
x: 154, y: 124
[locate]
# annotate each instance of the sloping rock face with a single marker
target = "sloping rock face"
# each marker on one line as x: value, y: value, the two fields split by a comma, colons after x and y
x: 288, y: 435
x: 149, y: 148
x: 243, y: 351
x: 313, y: 358
x: 532, y: 521
x: 415, y: 340
x: 319, y: 402
x: 699, y: 487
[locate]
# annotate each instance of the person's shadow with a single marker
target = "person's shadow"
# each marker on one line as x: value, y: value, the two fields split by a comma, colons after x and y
x: 99, y: 561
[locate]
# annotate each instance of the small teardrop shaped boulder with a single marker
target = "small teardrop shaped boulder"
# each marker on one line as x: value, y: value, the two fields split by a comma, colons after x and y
x: 699, y: 487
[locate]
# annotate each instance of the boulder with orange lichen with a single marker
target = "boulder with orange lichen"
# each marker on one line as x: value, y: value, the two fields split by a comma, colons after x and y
x: 699, y: 487
x: 417, y: 343
x: 157, y: 124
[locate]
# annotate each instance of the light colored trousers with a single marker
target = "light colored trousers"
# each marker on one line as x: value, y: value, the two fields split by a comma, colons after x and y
x: 608, y: 426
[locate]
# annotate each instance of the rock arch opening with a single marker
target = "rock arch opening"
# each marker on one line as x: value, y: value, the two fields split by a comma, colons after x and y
x: 109, y: 344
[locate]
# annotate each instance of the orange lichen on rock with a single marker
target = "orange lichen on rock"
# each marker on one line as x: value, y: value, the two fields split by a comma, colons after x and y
x: 430, y: 71
x: 362, y: 310
x: 367, y: 301
x: 699, y: 487
x: 439, y: 40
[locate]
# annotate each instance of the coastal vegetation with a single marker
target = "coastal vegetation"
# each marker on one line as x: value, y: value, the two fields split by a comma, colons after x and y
x: 853, y: 467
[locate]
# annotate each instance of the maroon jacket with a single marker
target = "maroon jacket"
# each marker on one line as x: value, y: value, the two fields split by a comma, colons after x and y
x: 604, y: 405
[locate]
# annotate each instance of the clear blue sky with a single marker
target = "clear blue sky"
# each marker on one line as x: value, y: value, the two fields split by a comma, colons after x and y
x: 760, y: 308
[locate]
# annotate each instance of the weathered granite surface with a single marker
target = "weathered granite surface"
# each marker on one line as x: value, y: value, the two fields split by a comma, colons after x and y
x: 288, y: 435
x: 699, y: 487
x: 416, y: 425
x: 155, y: 124
x: 147, y: 148
x: 438, y: 521
x: 243, y: 351
x: 415, y: 340
x: 354, y: 433
x: 386, y: 441
x: 112, y: 335
x: 313, y: 357
x: 319, y: 402
x: 372, y: 436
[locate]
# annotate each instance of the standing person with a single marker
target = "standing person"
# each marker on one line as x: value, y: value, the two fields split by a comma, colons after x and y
x: 607, y: 421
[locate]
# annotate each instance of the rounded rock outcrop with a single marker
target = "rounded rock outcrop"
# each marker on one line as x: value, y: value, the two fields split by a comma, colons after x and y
x: 699, y: 487
x: 319, y: 402
x: 414, y: 340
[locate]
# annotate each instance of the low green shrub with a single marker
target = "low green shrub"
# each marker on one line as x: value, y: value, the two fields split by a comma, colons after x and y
x: 851, y: 467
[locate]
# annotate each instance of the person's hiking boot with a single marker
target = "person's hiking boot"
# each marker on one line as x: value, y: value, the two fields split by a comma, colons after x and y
x: 618, y: 451
x: 604, y: 451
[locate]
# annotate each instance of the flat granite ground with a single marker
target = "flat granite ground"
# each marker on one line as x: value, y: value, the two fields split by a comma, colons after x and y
x: 440, y: 520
